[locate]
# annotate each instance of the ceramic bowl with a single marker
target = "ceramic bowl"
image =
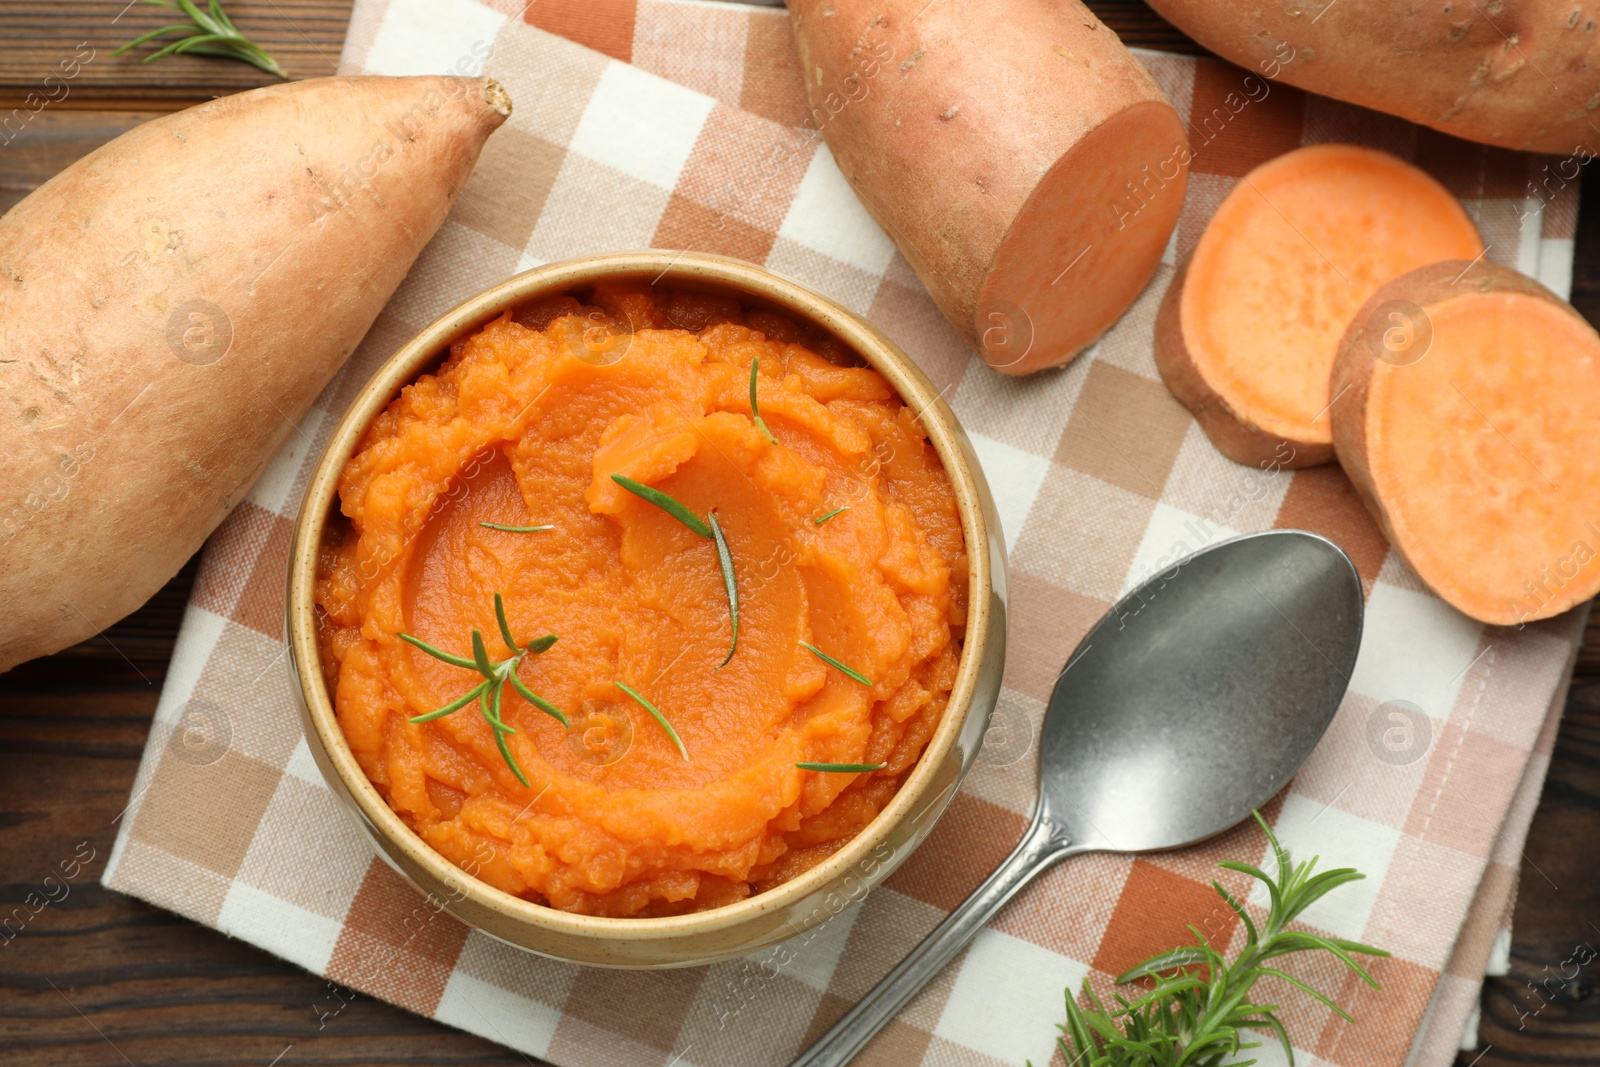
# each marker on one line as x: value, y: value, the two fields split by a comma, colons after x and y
x: 762, y: 919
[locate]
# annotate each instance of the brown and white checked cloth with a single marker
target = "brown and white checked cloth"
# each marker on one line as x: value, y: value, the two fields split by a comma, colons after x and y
x: 670, y: 123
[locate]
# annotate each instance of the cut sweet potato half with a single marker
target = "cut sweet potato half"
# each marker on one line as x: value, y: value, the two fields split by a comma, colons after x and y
x: 1249, y: 328
x: 1026, y: 165
x: 1465, y: 419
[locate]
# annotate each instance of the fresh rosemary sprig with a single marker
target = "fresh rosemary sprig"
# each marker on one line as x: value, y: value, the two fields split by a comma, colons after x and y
x: 841, y: 768
x: 710, y: 530
x: 660, y: 718
x: 1199, y: 1009
x: 515, y: 529
x: 730, y: 584
x: 665, y: 503
x: 830, y: 661
x: 488, y: 692
x: 824, y: 518
x: 209, y: 33
x: 755, y: 408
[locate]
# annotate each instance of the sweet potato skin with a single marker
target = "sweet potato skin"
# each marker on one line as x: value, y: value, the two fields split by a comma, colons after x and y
x: 171, y: 304
x: 1234, y: 435
x: 958, y: 129
x: 1351, y: 382
x: 1518, y: 74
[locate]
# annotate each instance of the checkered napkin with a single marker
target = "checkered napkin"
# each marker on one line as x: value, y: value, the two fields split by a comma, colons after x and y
x: 673, y: 124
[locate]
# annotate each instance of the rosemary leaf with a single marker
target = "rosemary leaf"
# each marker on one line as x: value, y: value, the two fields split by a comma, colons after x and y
x: 729, y: 584
x: 538, y: 701
x: 665, y: 503
x: 185, y: 45
x: 210, y: 33
x: 540, y: 644
x: 515, y: 529
x: 152, y: 35
x: 841, y: 768
x: 500, y: 617
x: 480, y: 656
x: 490, y: 702
x: 755, y: 408
x: 831, y: 514
x: 454, y: 705
x: 660, y: 718
x: 1270, y: 972
x: 454, y: 661
x: 830, y: 661
x: 511, y: 761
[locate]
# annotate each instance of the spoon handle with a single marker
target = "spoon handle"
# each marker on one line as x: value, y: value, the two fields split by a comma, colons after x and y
x: 1041, y: 846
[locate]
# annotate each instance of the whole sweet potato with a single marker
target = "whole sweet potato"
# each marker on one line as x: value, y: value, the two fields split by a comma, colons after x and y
x: 1519, y: 74
x: 171, y: 304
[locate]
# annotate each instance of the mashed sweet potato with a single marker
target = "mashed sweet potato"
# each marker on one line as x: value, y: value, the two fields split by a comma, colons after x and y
x: 524, y: 425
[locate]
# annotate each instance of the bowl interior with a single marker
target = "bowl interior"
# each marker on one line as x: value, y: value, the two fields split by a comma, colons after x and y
x: 752, y: 285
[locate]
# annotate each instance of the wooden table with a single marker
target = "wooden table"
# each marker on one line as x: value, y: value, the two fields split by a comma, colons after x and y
x: 99, y: 978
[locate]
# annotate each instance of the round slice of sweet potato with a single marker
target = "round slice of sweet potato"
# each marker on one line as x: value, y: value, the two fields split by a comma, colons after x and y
x: 1248, y: 330
x: 1465, y: 417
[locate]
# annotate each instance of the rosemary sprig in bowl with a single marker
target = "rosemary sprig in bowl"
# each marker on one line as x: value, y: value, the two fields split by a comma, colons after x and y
x: 850, y: 672
x: 489, y: 692
x: 655, y: 713
x: 1199, y: 1011
x: 708, y: 528
x: 514, y: 529
x: 755, y: 405
x: 209, y: 33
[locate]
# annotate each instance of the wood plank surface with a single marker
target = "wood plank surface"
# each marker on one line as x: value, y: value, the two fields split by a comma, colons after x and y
x: 70, y: 43
x: 99, y: 978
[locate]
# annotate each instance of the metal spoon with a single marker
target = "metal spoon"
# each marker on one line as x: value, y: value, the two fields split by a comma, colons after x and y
x: 1193, y: 701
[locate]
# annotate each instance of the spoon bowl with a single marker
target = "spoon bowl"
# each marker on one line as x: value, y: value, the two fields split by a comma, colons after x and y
x: 1190, y: 704
x: 1197, y: 697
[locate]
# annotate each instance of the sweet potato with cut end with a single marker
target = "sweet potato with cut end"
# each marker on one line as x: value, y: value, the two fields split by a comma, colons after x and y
x: 1248, y: 330
x: 1518, y: 74
x: 171, y: 304
x: 1026, y: 165
x: 1474, y: 442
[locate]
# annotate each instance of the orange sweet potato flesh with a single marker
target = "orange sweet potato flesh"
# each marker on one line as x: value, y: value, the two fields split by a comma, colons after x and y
x: 1249, y: 328
x: 1519, y: 74
x: 171, y: 304
x: 1026, y: 165
x: 517, y: 429
x: 1476, y: 449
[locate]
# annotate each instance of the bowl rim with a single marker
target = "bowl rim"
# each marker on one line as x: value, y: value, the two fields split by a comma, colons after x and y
x: 413, y: 358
